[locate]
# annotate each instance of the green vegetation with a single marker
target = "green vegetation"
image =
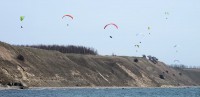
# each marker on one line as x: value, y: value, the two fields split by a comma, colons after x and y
x: 181, y: 66
x: 66, y: 49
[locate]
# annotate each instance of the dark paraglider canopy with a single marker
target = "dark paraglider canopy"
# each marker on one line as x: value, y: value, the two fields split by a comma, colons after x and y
x: 138, y: 46
x: 110, y: 36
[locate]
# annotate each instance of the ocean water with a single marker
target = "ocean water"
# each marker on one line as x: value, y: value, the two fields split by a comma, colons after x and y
x: 100, y: 92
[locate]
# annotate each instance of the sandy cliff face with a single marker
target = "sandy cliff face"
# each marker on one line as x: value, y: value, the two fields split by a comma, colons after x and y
x: 42, y: 68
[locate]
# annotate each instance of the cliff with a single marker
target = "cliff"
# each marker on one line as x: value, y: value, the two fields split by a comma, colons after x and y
x: 33, y: 67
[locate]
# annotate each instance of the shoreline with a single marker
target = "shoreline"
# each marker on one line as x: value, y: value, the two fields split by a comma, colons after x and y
x: 110, y: 87
x: 38, y: 88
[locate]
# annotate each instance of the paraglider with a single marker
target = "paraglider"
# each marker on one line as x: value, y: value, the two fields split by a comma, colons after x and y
x: 149, y: 29
x: 176, y: 61
x: 176, y: 47
x: 137, y: 47
x: 140, y: 36
x: 21, y: 19
x: 67, y: 15
x: 111, y: 24
x: 166, y: 13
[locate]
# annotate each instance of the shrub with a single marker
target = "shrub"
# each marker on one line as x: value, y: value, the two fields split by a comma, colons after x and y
x: 136, y: 60
x: 20, y: 57
x: 161, y: 76
x: 153, y: 59
x: 144, y: 56
x: 114, y: 54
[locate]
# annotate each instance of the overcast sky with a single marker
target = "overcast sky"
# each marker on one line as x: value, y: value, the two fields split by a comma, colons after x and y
x: 43, y: 24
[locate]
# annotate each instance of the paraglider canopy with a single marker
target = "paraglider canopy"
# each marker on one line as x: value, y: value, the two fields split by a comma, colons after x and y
x: 22, y: 18
x: 176, y: 61
x: 140, y: 34
x: 138, y: 46
x: 166, y: 13
x: 67, y: 15
x: 149, y: 28
x: 113, y: 24
x: 175, y: 45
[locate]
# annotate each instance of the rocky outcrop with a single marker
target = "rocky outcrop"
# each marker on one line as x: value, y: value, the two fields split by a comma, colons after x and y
x: 24, y: 66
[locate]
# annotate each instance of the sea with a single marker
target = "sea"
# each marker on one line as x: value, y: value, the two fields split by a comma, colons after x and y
x: 102, y: 92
